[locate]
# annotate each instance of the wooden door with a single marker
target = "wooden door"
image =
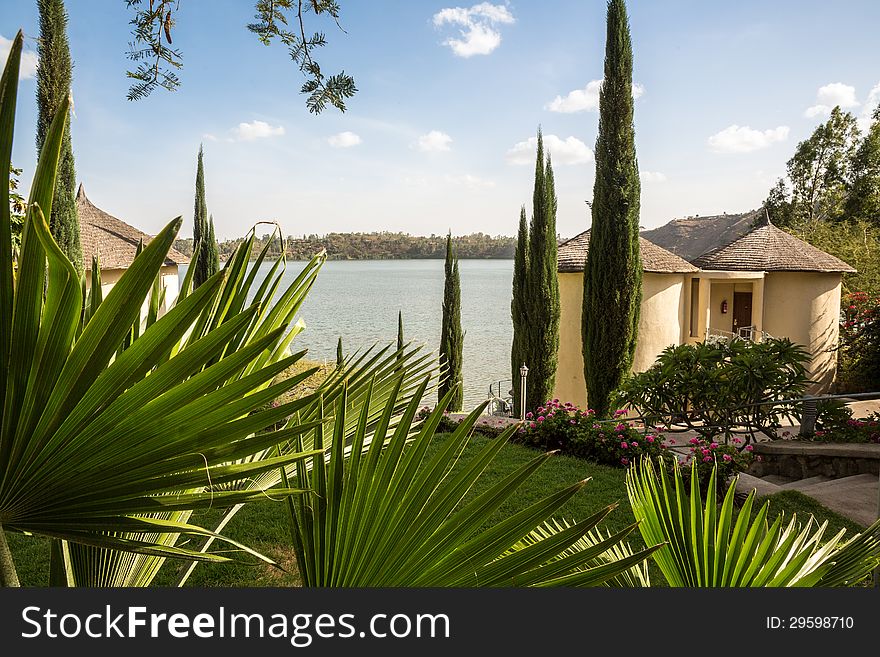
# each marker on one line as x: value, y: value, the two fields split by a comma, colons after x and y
x: 742, y: 310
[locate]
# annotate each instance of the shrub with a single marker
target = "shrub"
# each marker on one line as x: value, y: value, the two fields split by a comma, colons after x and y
x: 850, y: 430
x: 714, y: 387
x: 578, y: 433
x: 705, y: 456
x: 860, y: 343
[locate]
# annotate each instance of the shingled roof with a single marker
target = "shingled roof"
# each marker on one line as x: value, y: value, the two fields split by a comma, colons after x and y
x: 767, y: 248
x: 572, y: 256
x: 113, y: 241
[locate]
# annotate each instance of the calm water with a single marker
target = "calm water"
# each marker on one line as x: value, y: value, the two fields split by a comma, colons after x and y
x: 359, y: 300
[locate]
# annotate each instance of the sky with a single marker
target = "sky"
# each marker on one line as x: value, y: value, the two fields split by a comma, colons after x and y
x: 440, y: 135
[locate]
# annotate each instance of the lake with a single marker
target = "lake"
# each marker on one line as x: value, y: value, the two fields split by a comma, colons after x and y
x: 359, y: 300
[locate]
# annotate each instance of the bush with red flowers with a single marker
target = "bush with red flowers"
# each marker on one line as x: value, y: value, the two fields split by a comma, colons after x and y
x: 578, y: 433
x: 860, y: 343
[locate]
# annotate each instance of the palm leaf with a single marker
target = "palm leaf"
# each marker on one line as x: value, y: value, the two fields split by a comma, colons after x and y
x: 94, y: 436
x: 388, y: 515
x: 703, y: 546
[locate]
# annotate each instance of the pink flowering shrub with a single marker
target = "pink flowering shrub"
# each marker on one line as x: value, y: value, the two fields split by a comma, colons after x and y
x: 578, y: 433
x: 731, y: 458
x: 850, y: 430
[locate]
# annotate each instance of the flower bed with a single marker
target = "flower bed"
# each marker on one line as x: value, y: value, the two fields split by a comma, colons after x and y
x: 578, y: 433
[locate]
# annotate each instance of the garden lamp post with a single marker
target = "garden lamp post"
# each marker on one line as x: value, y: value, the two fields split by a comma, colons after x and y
x: 523, y: 375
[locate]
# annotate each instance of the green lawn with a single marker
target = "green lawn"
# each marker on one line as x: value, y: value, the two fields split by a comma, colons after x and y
x: 264, y: 526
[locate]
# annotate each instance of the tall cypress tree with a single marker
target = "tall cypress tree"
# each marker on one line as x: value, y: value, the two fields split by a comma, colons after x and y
x: 613, y: 272
x: 543, y: 286
x: 208, y: 262
x: 451, y: 335
x: 54, y: 75
x: 213, y: 249
x: 399, y: 338
x: 519, y: 307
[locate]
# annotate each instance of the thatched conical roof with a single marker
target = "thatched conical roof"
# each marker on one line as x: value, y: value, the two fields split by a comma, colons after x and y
x: 112, y: 240
x: 768, y: 248
x: 572, y: 256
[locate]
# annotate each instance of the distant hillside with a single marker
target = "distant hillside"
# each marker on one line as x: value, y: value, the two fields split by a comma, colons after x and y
x: 693, y: 236
x: 375, y: 246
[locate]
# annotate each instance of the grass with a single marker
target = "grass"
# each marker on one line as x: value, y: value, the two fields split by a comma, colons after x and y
x: 263, y: 525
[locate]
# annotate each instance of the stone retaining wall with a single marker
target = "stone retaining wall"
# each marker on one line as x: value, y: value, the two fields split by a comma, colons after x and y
x: 800, y: 460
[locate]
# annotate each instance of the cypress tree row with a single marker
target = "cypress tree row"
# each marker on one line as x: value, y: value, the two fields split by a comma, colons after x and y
x: 519, y: 307
x: 543, y: 286
x: 54, y: 75
x: 613, y: 272
x: 535, y: 305
x: 451, y: 335
x: 208, y: 262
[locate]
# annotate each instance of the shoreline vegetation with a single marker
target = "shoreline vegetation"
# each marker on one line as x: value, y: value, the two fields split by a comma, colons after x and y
x: 372, y: 246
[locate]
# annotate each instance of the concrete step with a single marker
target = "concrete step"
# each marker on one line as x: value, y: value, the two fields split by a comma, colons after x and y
x: 778, y: 480
x: 854, y: 497
x: 801, y: 484
x: 746, y: 483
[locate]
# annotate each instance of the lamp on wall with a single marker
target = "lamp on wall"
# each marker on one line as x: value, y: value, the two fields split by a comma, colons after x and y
x: 724, y: 307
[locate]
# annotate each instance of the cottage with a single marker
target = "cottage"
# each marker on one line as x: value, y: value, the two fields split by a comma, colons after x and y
x: 115, y: 243
x: 765, y: 283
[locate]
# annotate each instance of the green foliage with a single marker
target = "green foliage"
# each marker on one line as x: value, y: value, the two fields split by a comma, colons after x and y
x: 535, y: 305
x: 394, y: 517
x: 572, y: 431
x: 542, y: 285
x: 272, y: 24
x: 86, y: 425
x: 373, y: 246
x: 158, y: 59
x: 613, y: 271
x: 863, y: 201
x: 519, y: 309
x: 152, y: 48
x: 715, y: 388
x: 54, y: 74
x: 208, y: 262
x: 857, y: 243
x: 834, y: 175
x: 451, y: 335
x: 706, y: 546
x: 17, y: 208
x: 860, y: 343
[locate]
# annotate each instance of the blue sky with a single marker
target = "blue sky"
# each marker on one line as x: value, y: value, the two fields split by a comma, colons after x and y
x: 437, y: 136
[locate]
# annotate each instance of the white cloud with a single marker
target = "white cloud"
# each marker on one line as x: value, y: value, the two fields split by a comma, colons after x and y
x: 584, y: 99
x: 652, y: 176
x: 470, y: 181
x: 433, y: 141
x: 256, y: 130
x: 743, y: 139
x: 830, y: 96
x: 478, y: 31
x: 866, y: 118
x: 27, y: 68
x: 570, y: 150
x: 345, y: 139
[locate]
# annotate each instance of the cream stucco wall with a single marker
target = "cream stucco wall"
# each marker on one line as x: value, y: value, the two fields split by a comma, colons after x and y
x: 661, y: 324
x: 170, y: 279
x: 805, y: 308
